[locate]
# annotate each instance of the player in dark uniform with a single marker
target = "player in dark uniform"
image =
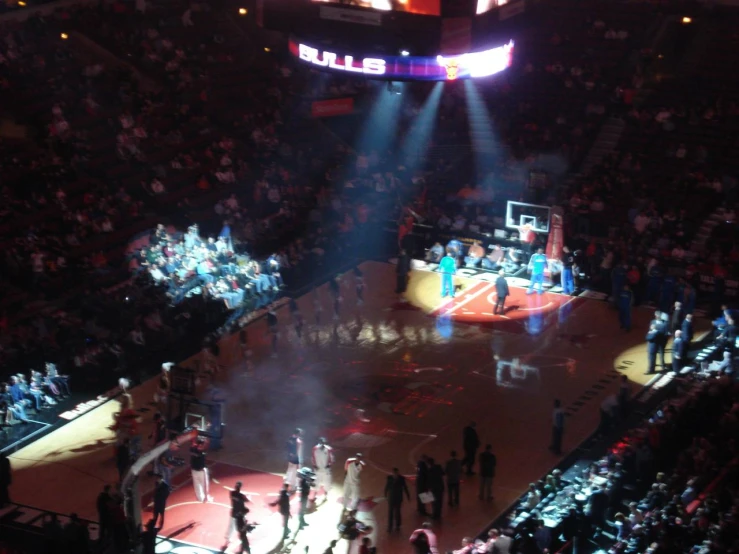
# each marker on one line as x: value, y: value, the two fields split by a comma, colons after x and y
x: 238, y: 511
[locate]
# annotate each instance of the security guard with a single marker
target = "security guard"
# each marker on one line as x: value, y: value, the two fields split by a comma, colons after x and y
x: 625, y: 302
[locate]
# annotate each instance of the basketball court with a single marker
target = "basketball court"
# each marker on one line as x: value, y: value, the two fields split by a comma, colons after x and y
x: 390, y: 379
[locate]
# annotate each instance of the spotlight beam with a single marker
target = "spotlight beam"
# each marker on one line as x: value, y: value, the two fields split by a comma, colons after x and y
x: 417, y: 140
x: 380, y: 127
x: 484, y: 143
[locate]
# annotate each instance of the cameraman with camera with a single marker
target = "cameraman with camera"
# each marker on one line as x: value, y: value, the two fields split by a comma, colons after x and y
x: 305, y: 482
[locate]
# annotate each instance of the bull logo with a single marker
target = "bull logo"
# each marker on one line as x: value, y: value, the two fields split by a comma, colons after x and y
x: 451, y: 66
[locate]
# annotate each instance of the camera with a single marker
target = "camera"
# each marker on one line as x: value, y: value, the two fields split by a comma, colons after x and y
x: 307, y: 475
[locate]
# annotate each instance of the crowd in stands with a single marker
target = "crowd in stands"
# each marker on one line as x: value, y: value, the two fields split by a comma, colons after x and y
x: 107, y: 158
x: 187, y: 263
x: 667, y: 485
x: 115, y: 151
x: 684, y: 463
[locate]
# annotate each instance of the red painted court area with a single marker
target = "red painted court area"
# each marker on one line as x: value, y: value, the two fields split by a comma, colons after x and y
x: 205, y: 524
x: 532, y: 313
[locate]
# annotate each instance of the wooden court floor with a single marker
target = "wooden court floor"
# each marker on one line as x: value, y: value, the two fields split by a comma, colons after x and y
x: 388, y: 379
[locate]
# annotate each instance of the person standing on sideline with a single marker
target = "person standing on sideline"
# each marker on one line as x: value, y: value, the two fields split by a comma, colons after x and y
x: 687, y: 329
x: 395, y: 488
x: 537, y: 266
x: 305, y: 476
x: 149, y: 538
x: 501, y: 293
x: 105, y: 514
x: 283, y: 504
x: 558, y: 428
x: 123, y: 458
x: 488, y: 462
x: 453, y: 470
x: 447, y: 268
x: 294, y: 458
x: 625, y: 302
x: 199, y: 471
x: 161, y: 493
x: 402, y: 270
x: 422, y: 483
x: 652, y: 339
x: 676, y: 319
x: 618, y: 280
x: 352, y: 480
x: 664, y: 335
x: 470, y: 444
x: 436, y: 485
x: 424, y: 540
x: 678, y: 352
x: 238, y: 510
x: 323, y: 459
x: 567, y: 277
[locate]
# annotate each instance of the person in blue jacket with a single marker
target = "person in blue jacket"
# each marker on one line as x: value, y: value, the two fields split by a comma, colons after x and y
x: 537, y: 266
x: 447, y: 268
x: 625, y: 302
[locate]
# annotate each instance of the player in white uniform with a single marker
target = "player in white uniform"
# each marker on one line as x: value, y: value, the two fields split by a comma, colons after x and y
x: 352, y: 474
x: 323, y: 459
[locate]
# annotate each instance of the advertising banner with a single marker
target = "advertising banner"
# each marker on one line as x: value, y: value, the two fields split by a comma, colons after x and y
x: 470, y: 65
x: 333, y: 107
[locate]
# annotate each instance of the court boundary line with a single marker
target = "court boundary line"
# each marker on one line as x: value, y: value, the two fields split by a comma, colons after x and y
x: 12, y: 446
